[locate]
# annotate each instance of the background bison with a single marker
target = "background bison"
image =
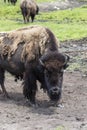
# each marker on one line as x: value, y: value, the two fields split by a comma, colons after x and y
x: 29, y: 8
x: 32, y: 54
x: 11, y: 1
x: 5, y: 0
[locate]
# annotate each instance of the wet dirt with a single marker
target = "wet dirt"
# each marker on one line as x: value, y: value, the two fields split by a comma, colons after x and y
x: 60, y: 5
x: 16, y: 114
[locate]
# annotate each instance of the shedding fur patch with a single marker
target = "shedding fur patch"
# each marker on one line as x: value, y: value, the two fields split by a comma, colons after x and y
x: 35, y: 41
x: 33, y: 37
x: 9, y: 43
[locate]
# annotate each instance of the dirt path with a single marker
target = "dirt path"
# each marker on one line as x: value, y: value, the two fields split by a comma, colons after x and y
x: 15, y: 114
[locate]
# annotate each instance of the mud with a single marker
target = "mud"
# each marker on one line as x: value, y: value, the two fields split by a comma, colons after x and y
x: 60, y: 5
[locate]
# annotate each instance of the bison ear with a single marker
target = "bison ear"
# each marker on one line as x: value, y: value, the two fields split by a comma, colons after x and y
x: 67, y: 58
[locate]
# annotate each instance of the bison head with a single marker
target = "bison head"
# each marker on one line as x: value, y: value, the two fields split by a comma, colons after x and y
x: 53, y: 65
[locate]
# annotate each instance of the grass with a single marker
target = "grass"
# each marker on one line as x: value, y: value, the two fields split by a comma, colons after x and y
x: 66, y: 24
x: 61, y: 128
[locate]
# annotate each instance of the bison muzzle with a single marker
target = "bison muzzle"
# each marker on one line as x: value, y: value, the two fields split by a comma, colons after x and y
x: 32, y: 54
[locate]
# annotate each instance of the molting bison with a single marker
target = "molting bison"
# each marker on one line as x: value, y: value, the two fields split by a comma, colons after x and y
x: 32, y: 54
x: 29, y: 8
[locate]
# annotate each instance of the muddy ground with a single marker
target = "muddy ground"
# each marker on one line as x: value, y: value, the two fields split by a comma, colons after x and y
x: 16, y: 114
x: 60, y: 5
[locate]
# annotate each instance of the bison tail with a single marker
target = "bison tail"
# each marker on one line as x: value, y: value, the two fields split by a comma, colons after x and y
x: 37, y: 10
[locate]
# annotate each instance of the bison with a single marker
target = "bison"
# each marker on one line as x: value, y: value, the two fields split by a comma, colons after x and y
x: 32, y: 54
x: 5, y: 1
x: 29, y: 8
x: 11, y: 1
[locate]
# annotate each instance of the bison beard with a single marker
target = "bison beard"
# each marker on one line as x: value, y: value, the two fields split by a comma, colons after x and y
x: 32, y: 54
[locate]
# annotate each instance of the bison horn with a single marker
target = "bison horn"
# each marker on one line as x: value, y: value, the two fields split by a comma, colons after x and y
x: 66, y: 59
x: 41, y: 62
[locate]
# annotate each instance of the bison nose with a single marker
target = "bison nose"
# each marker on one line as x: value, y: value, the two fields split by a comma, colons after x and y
x: 54, y: 90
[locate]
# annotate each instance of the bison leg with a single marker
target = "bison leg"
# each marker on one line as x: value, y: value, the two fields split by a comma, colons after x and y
x: 2, y: 82
x: 27, y: 15
x: 24, y: 19
x: 32, y: 17
x: 28, y: 19
x: 4, y: 91
x: 24, y: 13
x: 30, y: 87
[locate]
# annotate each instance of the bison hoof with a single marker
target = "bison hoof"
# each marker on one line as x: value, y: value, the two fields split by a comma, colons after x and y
x: 5, y: 94
x: 57, y: 104
x: 53, y: 103
x: 35, y: 105
x: 32, y: 104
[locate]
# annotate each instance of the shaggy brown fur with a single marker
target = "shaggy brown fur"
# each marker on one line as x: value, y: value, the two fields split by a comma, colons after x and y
x: 9, y: 43
x: 35, y: 37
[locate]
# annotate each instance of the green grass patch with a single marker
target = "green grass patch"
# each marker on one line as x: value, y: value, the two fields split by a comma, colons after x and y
x: 61, y: 128
x: 66, y: 24
x: 41, y: 1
